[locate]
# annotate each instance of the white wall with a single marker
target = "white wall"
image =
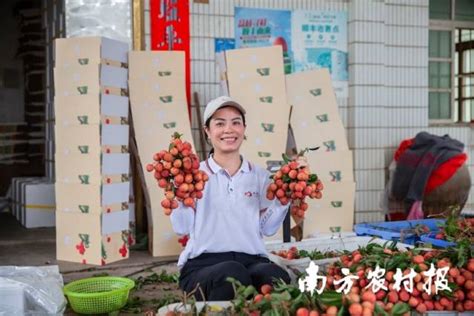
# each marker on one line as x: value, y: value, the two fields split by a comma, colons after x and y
x: 388, y: 79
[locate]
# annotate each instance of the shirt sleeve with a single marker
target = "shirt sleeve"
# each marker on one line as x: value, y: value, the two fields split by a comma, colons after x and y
x: 182, y: 219
x: 272, y: 212
x: 272, y: 218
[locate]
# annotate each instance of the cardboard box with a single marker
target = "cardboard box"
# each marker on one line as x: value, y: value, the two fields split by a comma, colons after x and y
x: 258, y: 62
x: 255, y: 78
x: 156, y: 117
x: 89, y: 50
x: 39, y: 205
x: 89, y: 79
x: 89, y: 109
x: 157, y: 82
x: 329, y: 136
x: 86, y: 139
x: 95, y: 168
x: 162, y: 92
x: 92, y: 238
x: 312, y: 88
x: 335, y: 166
x: 256, y: 92
x: 92, y: 198
x: 261, y: 147
x: 158, y: 66
x: 334, y: 209
x: 315, y: 117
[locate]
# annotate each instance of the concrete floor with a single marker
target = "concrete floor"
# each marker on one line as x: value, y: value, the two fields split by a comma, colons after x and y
x: 36, y: 247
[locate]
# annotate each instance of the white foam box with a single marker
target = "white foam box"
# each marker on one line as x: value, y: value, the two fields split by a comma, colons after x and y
x: 38, y: 205
x: 15, y: 195
x: 348, y: 242
x: 89, y: 50
x: 95, y: 239
x: 20, y: 194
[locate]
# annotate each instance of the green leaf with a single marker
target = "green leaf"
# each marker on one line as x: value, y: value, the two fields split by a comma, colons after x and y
x: 249, y: 290
x: 379, y: 310
x: 285, y: 157
x: 341, y: 311
x: 399, y: 309
x: 331, y: 298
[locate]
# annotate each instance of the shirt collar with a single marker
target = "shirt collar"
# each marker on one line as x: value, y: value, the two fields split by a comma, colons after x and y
x: 214, y: 167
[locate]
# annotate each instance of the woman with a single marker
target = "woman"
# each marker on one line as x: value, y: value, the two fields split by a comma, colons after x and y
x: 227, y: 227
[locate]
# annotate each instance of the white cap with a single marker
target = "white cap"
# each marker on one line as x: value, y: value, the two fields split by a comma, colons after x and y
x: 218, y: 103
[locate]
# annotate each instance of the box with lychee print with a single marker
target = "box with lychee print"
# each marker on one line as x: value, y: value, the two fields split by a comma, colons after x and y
x: 96, y: 239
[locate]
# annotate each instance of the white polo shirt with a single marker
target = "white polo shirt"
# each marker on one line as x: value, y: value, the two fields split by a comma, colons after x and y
x: 233, y: 214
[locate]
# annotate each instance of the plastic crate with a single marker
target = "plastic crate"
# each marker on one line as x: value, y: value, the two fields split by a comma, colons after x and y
x: 440, y: 243
x: 403, y: 231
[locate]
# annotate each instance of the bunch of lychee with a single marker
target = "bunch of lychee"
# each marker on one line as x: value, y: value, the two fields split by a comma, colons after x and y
x: 293, y: 182
x: 177, y: 172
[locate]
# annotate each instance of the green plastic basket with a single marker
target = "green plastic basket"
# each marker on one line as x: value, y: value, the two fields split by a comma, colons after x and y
x: 98, y: 295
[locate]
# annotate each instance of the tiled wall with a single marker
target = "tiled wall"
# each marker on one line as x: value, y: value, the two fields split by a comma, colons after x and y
x: 388, y: 79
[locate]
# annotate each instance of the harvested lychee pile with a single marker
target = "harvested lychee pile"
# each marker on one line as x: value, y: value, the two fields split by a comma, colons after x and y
x: 293, y: 183
x: 177, y: 172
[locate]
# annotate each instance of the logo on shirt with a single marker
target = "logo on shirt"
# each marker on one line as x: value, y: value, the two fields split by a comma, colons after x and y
x: 249, y: 194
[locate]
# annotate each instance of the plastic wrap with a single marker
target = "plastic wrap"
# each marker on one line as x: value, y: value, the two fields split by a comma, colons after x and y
x: 31, y: 291
x: 108, y: 18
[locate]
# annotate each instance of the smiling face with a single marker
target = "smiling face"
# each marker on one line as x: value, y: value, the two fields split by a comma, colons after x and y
x: 226, y: 130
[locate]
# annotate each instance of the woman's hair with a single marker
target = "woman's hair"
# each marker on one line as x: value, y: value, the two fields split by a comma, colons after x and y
x: 208, y: 122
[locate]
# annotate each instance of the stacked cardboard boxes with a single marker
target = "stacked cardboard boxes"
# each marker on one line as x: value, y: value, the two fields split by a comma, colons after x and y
x: 255, y: 78
x: 92, y: 159
x: 315, y: 122
x: 159, y: 109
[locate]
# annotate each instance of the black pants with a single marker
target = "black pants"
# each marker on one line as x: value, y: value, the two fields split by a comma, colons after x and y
x: 210, y: 271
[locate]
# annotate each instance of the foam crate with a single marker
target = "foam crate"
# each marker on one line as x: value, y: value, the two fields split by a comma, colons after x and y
x: 440, y: 243
x: 350, y: 243
x: 403, y: 231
